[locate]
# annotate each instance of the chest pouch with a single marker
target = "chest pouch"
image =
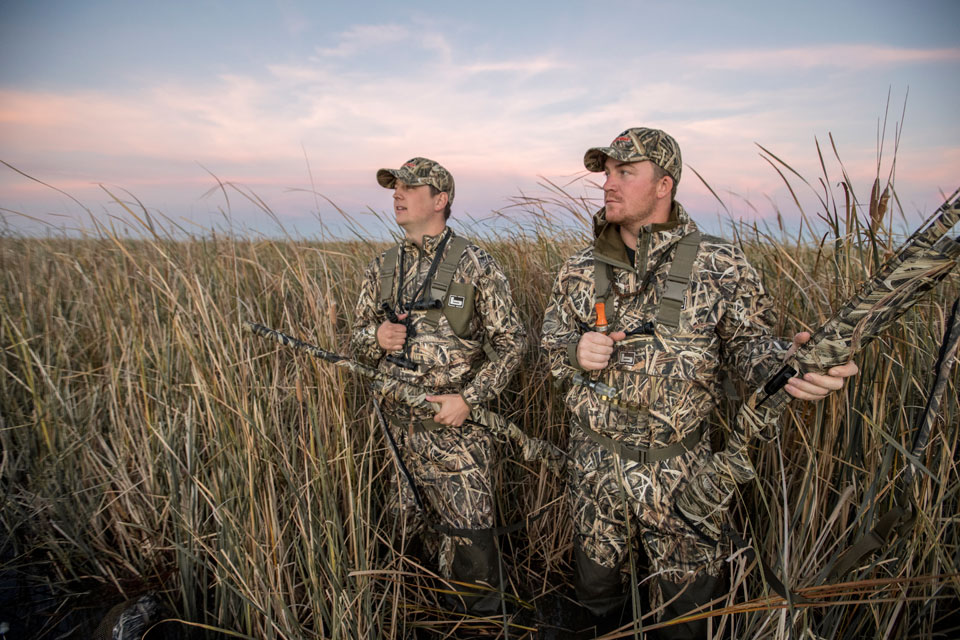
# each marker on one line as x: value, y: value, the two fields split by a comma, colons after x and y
x: 457, y: 298
x: 458, y: 307
x: 640, y: 366
x: 453, y: 296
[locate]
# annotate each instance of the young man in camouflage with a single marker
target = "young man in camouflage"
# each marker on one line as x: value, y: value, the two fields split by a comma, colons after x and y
x: 456, y: 331
x: 681, y: 306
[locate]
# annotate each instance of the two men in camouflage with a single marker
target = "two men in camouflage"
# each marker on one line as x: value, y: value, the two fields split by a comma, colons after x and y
x: 683, y: 306
x: 445, y: 307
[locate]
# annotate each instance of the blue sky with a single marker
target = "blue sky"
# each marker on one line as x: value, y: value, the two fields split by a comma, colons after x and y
x: 150, y: 99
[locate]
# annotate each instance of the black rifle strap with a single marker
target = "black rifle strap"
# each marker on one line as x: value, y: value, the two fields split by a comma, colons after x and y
x: 769, y: 575
x: 472, y: 534
x: 683, y: 254
x: 396, y: 454
x: 876, y: 538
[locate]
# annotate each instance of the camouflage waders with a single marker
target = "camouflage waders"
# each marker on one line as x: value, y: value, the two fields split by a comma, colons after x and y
x: 473, y: 354
x: 452, y: 470
x: 616, y: 502
x: 634, y: 454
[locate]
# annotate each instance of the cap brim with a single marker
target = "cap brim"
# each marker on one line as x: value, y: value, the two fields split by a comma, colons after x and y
x: 387, y: 178
x: 594, y: 159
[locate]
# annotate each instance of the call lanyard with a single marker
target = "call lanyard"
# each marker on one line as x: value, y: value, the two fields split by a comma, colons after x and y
x: 423, y: 286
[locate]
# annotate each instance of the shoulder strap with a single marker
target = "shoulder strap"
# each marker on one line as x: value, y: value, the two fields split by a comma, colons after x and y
x: 441, y: 280
x: 440, y: 284
x: 444, y: 275
x: 603, y: 284
x: 388, y: 271
x: 488, y: 349
x: 671, y: 302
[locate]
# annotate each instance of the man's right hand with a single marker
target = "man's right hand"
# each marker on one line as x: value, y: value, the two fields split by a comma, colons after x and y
x: 391, y: 336
x: 594, y: 349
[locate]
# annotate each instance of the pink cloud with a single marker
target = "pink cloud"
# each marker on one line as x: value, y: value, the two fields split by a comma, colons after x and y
x: 256, y: 130
x: 845, y: 56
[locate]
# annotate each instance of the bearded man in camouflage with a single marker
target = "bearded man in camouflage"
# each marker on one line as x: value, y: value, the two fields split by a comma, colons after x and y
x: 681, y: 306
x: 457, y: 331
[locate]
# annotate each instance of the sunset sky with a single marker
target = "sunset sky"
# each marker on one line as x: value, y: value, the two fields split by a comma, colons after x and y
x: 153, y: 99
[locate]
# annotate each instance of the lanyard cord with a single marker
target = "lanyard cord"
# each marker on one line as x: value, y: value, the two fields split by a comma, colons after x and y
x: 423, y: 286
x: 647, y: 277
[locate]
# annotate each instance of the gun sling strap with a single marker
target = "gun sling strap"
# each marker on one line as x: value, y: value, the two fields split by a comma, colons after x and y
x: 475, y: 535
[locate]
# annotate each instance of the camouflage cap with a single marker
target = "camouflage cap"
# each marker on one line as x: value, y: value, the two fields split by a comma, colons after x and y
x: 636, y: 144
x: 416, y: 172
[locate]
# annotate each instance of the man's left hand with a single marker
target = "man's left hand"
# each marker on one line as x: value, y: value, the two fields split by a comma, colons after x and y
x: 816, y: 386
x: 453, y: 409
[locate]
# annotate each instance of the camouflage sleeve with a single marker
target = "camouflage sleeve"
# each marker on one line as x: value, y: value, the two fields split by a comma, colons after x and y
x: 750, y: 351
x: 367, y: 317
x: 561, y: 329
x: 501, y: 326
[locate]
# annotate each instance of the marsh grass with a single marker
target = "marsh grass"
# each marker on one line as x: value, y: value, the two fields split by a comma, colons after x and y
x: 147, y: 443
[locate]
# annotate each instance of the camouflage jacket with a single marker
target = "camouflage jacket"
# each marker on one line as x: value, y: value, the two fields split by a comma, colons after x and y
x: 447, y: 363
x: 670, y: 381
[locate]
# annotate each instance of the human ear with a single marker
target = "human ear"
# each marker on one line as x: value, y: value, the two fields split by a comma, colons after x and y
x: 664, y: 186
x: 441, y: 202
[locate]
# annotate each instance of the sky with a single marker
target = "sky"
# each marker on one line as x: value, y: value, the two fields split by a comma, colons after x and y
x: 214, y: 112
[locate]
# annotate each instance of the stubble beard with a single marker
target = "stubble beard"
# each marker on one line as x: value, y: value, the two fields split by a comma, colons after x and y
x: 633, y: 221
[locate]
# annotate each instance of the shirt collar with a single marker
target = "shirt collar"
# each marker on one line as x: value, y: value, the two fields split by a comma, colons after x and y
x: 609, y: 246
x: 429, y: 244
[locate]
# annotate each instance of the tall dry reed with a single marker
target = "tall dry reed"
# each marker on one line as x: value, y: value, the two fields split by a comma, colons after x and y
x: 148, y: 443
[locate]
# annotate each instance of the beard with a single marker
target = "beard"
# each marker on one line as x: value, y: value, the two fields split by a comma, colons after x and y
x: 639, y: 214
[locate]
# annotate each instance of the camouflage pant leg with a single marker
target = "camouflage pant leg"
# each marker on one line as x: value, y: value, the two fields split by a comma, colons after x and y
x: 403, y: 506
x: 401, y: 503
x: 679, y: 557
x: 452, y: 468
x: 614, y: 502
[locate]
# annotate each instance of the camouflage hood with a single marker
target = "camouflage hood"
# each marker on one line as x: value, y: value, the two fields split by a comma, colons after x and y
x: 609, y: 246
